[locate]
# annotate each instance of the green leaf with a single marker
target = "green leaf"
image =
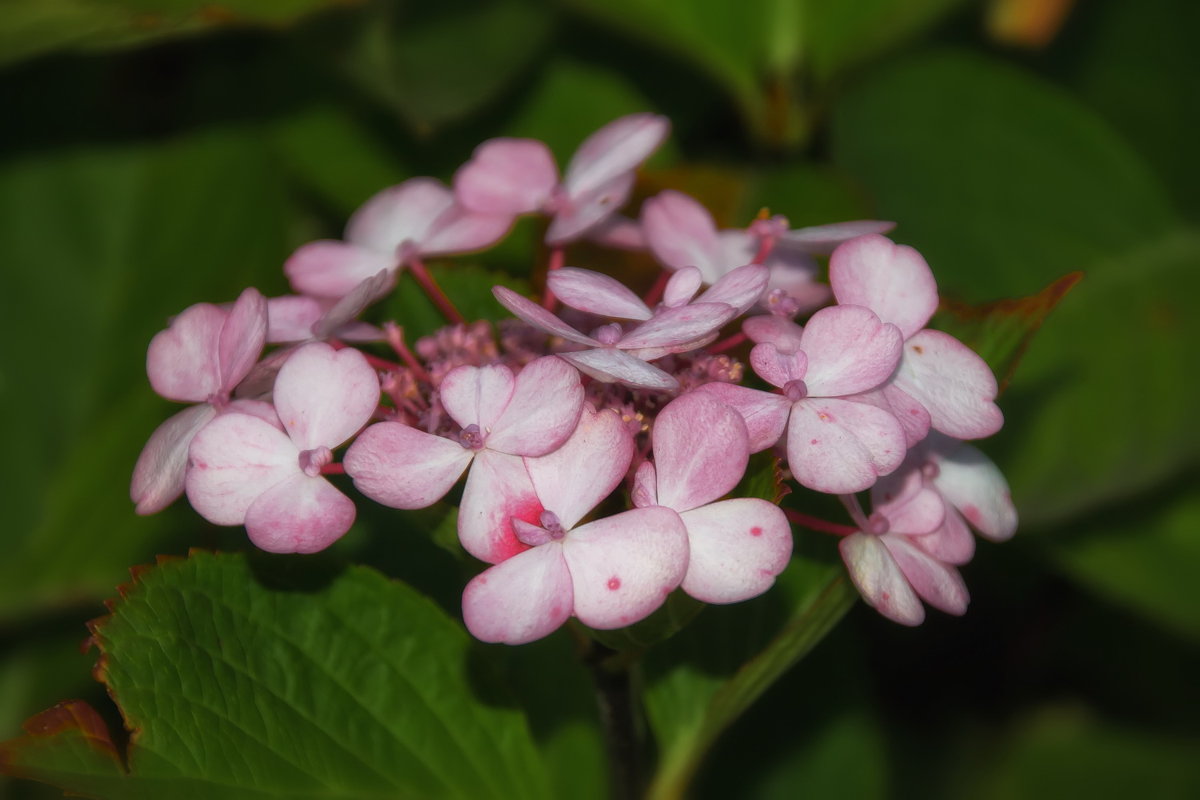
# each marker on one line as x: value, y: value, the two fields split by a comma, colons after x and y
x: 1004, y: 184
x: 30, y: 28
x: 104, y: 245
x: 276, y: 678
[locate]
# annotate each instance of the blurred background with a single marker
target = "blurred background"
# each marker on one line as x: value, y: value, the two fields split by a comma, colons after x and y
x: 156, y: 153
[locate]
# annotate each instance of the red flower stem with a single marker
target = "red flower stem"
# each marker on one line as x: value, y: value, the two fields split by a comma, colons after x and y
x: 817, y: 524
x: 765, y: 246
x: 333, y: 469
x: 728, y: 344
x: 656, y: 291
x: 557, y: 257
x: 382, y: 364
x: 395, y: 337
x: 419, y: 271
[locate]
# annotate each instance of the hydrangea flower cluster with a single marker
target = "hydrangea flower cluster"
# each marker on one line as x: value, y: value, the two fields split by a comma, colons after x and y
x: 603, y: 433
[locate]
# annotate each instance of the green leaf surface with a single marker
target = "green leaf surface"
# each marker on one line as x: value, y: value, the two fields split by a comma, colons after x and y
x: 1005, y: 184
x: 102, y: 246
x: 30, y: 28
x: 272, y: 678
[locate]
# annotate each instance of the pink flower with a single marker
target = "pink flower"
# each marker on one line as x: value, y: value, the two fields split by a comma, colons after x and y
x: 267, y: 475
x: 938, y: 371
x: 503, y: 418
x: 608, y: 573
x: 518, y: 176
x: 415, y: 219
x: 736, y: 547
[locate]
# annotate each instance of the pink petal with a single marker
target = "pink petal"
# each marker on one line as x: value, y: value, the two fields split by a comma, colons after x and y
x: 951, y: 543
x: 477, y: 395
x: 597, y: 293
x: 624, y: 566
x: 403, y: 467
x: 910, y: 506
x: 233, y: 460
x: 617, y: 148
x: 342, y: 313
x: 573, y: 479
x: 954, y: 383
x: 520, y: 600
x: 681, y: 233
x: 771, y: 329
x: 582, y: 213
x: 323, y: 396
x: 839, y: 447
x: 822, y: 239
x: 538, y: 317
x: 778, y: 368
x: 290, y: 318
x: 614, y: 366
x: 543, y: 411
x: 849, y: 351
x: 764, y: 413
x: 507, y: 176
x: 737, y: 247
x: 890, y: 279
x: 879, y: 580
x: 242, y: 338
x: 736, y: 547
x: 740, y: 288
x: 975, y: 486
x: 299, y: 515
x: 182, y: 361
x: 912, y: 415
x: 398, y: 214
x: 645, y: 486
x: 159, y: 472
x: 682, y: 287
x: 498, y: 491
x: 677, y: 326
x: 701, y: 449
x: 458, y: 230
x: 799, y: 282
x: 619, y: 233
x: 938, y: 584
x: 332, y: 269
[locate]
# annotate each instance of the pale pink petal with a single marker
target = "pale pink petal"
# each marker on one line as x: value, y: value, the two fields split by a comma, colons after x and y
x: 507, y: 176
x: 771, y: 329
x: 624, y: 566
x: 645, y: 486
x: 300, y: 515
x: 234, y: 459
x: 849, y: 350
x: 614, y: 366
x: 583, y: 212
x: 619, y: 147
x: 477, y: 395
x: 682, y: 287
x: 323, y: 396
x: 839, y: 447
x: 681, y: 233
x: 403, y: 467
x: 618, y: 232
x: 597, y: 293
x: 701, y: 449
x: 910, y: 506
x: 778, y: 368
x: 651, y: 353
x: 159, y: 472
x: 398, y: 214
x: 975, y: 486
x: 242, y: 338
x: 538, y: 317
x: 182, y: 361
x: 798, y: 282
x: 341, y: 314
x: 822, y: 239
x: 954, y: 383
x: 736, y: 248
x: 764, y: 413
x: 936, y: 583
x: 290, y: 318
x: 543, y: 411
x: 327, y: 268
x: 952, y: 542
x: 573, y: 479
x: 736, y: 548
x: 520, y: 600
x: 879, y: 580
x: 254, y: 408
x: 740, y: 288
x: 498, y: 491
x: 458, y: 230
x: 890, y: 279
x: 677, y: 326
x: 912, y: 415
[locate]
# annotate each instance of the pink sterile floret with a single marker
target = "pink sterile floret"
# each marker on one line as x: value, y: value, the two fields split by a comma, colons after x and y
x: 245, y: 470
x: 609, y: 573
x: 503, y: 418
x: 736, y: 546
x: 838, y: 441
x: 415, y: 219
x: 518, y: 176
x: 938, y: 371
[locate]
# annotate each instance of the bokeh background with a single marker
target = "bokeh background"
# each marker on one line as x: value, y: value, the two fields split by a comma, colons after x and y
x: 155, y: 153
